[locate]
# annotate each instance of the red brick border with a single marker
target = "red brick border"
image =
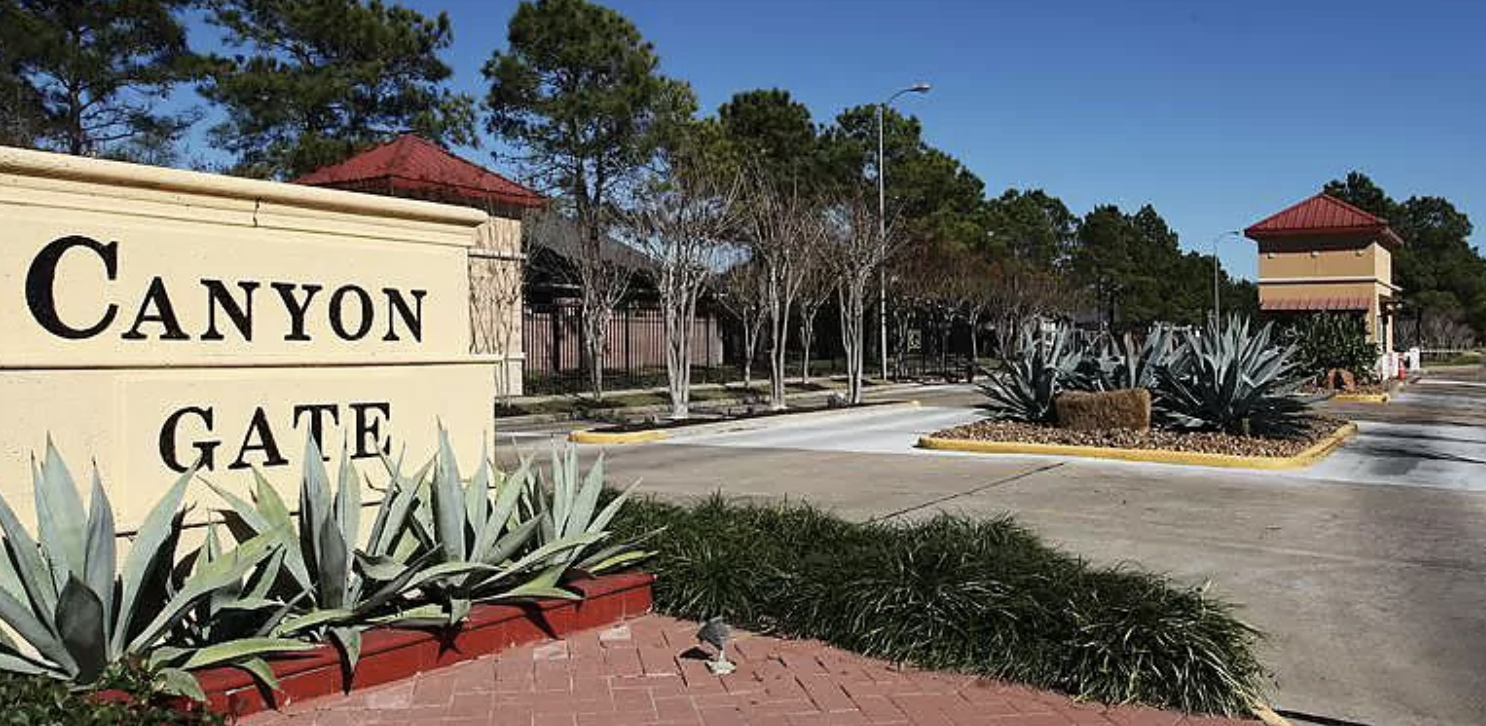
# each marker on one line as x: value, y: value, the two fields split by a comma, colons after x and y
x: 391, y: 654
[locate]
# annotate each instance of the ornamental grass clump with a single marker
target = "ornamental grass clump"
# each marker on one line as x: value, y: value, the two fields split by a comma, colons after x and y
x: 976, y: 596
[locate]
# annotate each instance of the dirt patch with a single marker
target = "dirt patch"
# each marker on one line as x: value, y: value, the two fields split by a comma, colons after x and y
x: 1205, y: 442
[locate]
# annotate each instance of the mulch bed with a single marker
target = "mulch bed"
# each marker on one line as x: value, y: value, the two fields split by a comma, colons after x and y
x: 1205, y: 442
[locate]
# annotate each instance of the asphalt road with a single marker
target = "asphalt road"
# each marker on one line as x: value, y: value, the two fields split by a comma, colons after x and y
x: 1368, y: 573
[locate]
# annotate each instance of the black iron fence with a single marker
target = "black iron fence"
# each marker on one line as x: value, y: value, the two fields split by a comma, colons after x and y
x: 634, y: 355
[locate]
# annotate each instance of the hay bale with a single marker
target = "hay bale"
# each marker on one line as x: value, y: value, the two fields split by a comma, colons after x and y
x: 1095, y: 411
x: 1341, y: 379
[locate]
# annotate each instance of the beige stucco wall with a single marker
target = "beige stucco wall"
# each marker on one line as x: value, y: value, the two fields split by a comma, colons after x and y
x: 1289, y: 263
x: 352, y: 310
x: 1320, y: 268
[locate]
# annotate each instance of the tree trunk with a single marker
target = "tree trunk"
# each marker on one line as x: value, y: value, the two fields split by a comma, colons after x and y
x: 851, y: 338
x: 595, y: 335
x: 974, y: 347
x: 680, y: 316
x: 751, y: 332
x: 901, y: 320
x: 778, y: 339
x: 807, y: 336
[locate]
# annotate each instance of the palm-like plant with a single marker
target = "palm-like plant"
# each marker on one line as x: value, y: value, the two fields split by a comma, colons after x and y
x: 1024, y: 390
x: 78, y: 614
x: 1233, y: 380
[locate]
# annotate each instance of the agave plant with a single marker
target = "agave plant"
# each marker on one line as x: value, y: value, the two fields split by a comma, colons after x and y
x: 1234, y: 380
x: 1120, y: 363
x: 335, y: 587
x: 63, y: 595
x: 575, y: 512
x: 520, y: 543
x: 1024, y: 390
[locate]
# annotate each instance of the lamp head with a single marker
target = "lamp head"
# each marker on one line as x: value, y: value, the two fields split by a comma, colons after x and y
x: 920, y: 87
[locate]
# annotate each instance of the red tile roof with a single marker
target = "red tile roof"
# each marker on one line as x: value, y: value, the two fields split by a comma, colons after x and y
x: 1325, y: 303
x: 411, y: 163
x: 1321, y: 215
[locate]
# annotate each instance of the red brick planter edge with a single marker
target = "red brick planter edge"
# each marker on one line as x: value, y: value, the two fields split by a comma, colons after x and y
x: 392, y: 654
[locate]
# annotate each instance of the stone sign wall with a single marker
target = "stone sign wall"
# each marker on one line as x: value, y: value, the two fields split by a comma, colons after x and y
x: 151, y: 318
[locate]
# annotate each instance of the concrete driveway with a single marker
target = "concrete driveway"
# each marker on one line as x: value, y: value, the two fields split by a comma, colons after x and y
x: 1367, y: 573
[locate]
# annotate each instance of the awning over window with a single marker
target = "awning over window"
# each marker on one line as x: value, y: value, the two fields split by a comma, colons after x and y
x: 1319, y: 303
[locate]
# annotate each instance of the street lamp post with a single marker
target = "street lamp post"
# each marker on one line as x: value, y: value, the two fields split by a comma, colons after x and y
x: 882, y: 221
x: 1217, y: 298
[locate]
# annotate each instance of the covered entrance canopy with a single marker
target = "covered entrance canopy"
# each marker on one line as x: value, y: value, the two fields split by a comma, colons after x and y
x: 1323, y: 254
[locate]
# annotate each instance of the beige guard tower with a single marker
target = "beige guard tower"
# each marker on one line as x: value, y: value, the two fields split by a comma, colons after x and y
x: 1326, y: 255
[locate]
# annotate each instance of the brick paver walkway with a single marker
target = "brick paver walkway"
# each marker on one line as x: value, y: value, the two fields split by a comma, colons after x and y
x: 640, y: 672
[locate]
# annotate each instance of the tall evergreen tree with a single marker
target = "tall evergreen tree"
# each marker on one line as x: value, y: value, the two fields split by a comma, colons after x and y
x: 1438, y: 269
x: 89, y: 76
x: 579, y: 94
x: 1134, y: 269
x: 774, y: 133
x: 315, y: 81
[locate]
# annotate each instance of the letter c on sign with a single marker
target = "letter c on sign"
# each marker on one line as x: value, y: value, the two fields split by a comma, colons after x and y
x: 41, y: 280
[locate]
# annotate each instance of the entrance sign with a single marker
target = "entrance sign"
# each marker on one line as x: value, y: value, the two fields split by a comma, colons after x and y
x: 153, y: 318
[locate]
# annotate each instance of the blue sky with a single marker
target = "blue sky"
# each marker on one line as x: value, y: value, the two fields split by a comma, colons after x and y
x: 1217, y: 113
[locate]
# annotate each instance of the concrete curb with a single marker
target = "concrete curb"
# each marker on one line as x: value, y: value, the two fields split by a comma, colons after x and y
x: 1155, y: 456
x: 697, y: 407
x: 591, y: 436
x: 1362, y: 398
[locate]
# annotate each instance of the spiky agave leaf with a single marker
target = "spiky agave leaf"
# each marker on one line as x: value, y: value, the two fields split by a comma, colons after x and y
x: 1025, y: 389
x: 1234, y: 380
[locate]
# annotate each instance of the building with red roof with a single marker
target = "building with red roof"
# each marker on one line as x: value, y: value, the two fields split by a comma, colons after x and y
x: 1324, y: 254
x: 413, y: 167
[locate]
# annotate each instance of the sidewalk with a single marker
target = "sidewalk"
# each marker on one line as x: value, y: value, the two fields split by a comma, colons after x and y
x: 640, y: 672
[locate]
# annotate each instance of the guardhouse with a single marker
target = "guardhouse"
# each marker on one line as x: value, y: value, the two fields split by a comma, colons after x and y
x: 1324, y: 254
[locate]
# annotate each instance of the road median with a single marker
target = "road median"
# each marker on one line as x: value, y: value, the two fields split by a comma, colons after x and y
x: 1305, y: 458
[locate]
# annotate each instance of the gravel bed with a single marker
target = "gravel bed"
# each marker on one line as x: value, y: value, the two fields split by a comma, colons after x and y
x: 1359, y: 389
x: 1205, y: 442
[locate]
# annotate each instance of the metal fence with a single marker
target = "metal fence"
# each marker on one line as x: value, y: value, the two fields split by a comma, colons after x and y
x: 634, y: 356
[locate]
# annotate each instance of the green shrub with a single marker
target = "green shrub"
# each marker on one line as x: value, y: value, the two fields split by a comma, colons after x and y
x: 1327, y: 341
x: 1234, y: 380
x: 984, y: 597
x: 44, y: 701
x: 438, y: 543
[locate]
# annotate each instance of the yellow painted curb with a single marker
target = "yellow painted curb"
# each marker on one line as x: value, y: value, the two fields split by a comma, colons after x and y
x: 1268, y: 716
x: 1361, y: 398
x: 604, y: 437
x: 1156, y: 456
